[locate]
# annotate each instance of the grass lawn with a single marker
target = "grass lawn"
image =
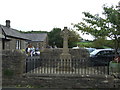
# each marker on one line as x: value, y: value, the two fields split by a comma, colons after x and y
x: 89, y: 44
x: 85, y: 44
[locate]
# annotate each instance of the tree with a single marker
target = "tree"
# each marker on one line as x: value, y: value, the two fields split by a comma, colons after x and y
x: 97, y: 26
x: 73, y: 39
x: 55, y: 38
x: 99, y: 42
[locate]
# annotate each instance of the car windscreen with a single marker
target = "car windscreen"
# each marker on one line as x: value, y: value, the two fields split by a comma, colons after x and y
x: 94, y: 52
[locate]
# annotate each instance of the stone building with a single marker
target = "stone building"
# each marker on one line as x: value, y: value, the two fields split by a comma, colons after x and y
x: 0, y: 40
x: 11, y: 38
x: 39, y: 40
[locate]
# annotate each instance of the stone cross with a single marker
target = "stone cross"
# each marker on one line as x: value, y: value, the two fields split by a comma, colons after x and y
x: 65, y: 34
x: 65, y: 54
x: 65, y: 64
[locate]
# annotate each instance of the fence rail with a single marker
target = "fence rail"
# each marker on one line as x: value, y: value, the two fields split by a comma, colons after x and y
x: 35, y: 65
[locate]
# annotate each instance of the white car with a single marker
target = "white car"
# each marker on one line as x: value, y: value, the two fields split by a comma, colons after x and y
x: 90, y: 49
x: 76, y: 47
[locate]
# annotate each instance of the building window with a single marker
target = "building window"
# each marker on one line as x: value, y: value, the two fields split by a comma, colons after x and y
x: 18, y: 44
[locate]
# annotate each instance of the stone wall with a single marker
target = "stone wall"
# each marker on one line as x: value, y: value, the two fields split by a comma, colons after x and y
x: 0, y: 44
x: 37, y: 44
x: 0, y: 63
x: 13, y: 63
x: 10, y: 45
x: 23, y: 44
x: 55, y: 53
x: 40, y: 44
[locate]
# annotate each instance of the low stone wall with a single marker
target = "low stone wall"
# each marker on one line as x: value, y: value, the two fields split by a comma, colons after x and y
x: 55, y: 53
x: 13, y: 63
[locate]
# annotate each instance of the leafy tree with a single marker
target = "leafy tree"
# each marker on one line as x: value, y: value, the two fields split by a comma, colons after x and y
x: 99, y: 42
x: 73, y: 39
x: 55, y: 38
x: 97, y: 26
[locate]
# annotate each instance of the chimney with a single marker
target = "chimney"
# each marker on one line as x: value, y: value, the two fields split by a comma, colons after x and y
x: 8, y: 23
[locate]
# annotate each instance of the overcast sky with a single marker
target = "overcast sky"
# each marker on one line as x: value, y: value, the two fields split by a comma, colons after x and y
x: 45, y: 15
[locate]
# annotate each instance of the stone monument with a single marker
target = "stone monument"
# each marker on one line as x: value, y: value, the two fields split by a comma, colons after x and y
x: 65, y: 53
x: 65, y: 56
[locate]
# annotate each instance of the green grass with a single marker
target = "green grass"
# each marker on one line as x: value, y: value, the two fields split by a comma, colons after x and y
x: 85, y: 44
x: 90, y: 44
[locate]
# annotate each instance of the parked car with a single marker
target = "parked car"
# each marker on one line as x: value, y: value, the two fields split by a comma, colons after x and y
x: 101, y: 56
x: 90, y: 49
x: 76, y: 47
x: 119, y: 51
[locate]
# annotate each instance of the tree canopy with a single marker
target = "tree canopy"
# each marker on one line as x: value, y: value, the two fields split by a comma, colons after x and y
x: 73, y: 39
x: 107, y: 26
x: 55, y: 38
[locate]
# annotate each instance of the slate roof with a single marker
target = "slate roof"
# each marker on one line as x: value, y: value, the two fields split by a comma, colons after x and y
x: 36, y: 36
x: 9, y: 32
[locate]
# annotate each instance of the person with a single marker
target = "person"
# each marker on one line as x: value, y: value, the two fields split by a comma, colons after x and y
x: 37, y: 52
x: 29, y: 50
x: 117, y: 59
x: 26, y: 50
x: 32, y: 51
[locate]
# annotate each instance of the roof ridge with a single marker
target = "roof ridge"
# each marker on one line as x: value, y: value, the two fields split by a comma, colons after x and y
x: 34, y: 33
